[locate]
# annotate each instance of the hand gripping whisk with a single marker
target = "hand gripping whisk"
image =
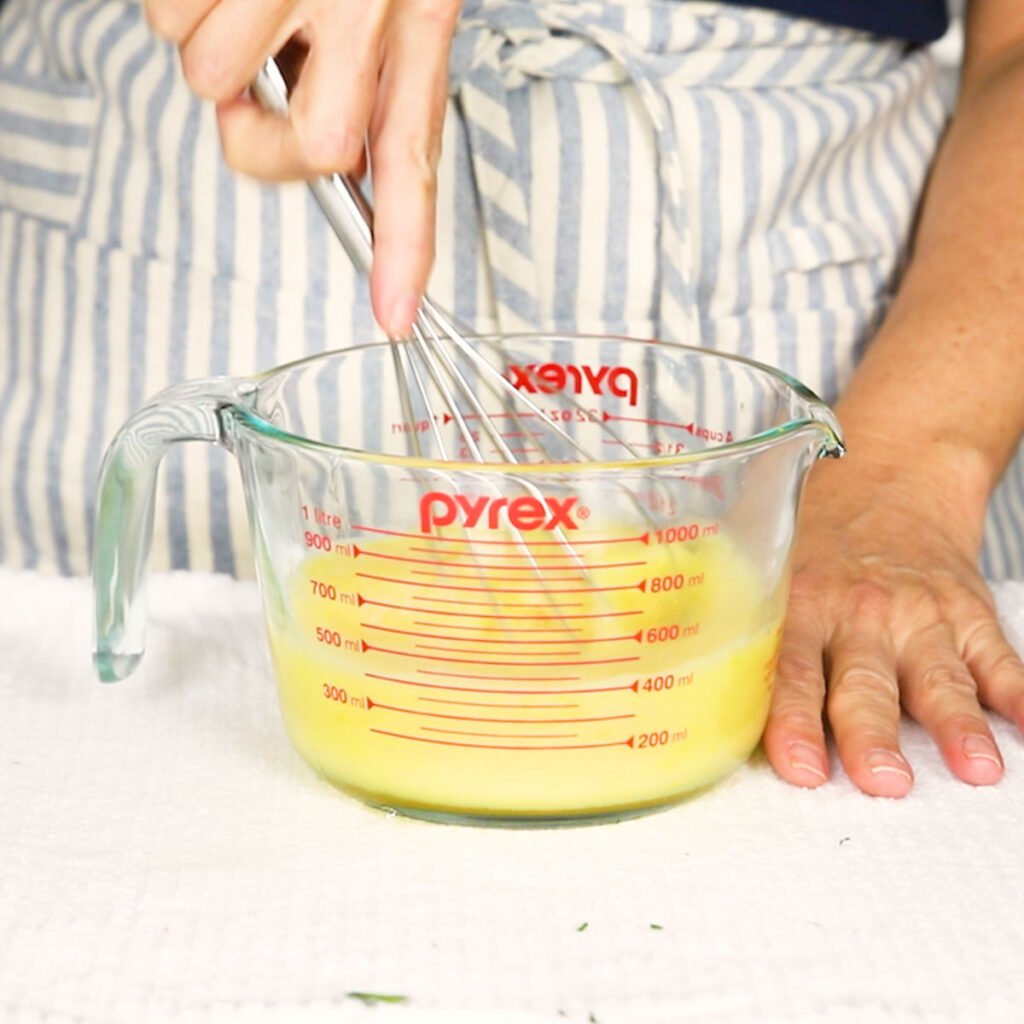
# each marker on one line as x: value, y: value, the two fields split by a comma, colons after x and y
x: 435, y: 337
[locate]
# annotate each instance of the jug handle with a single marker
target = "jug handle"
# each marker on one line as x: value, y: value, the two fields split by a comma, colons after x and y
x: 191, y: 411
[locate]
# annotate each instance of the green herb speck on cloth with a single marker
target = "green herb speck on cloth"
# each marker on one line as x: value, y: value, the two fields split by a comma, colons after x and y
x: 372, y: 998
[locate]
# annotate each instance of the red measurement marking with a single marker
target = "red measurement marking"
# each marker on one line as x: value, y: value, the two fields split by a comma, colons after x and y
x: 474, y: 661
x: 524, y: 451
x: 494, y: 629
x: 448, y: 417
x: 471, y: 650
x: 360, y: 600
x: 448, y: 674
x: 642, y: 585
x: 606, y: 416
x: 492, y: 554
x: 570, y: 567
x: 637, y: 636
x: 485, y: 704
x: 488, y: 640
x: 504, y: 735
x: 498, y: 579
x: 463, y: 565
x: 643, y: 538
x: 478, y: 689
x: 495, y: 746
x: 632, y: 444
x: 477, y: 604
x: 370, y: 704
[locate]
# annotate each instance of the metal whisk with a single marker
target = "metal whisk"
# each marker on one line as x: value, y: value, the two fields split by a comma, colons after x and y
x: 435, y: 337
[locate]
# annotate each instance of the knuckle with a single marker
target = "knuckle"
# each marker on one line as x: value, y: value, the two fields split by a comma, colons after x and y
x: 797, y: 672
x: 870, y: 599
x: 964, y: 723
x: 862, y: 684
x: 441, y: 13
x: 944, y: 682
x: 233, y: 150
x: 165, y: 20
x: 330, y: 148
x: 794, y: 718
x: 414, y: 159
x: 207, y: 72
x: 1007, y: 665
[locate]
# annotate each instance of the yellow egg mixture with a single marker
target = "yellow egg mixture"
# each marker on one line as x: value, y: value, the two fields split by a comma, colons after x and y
x: 476, y: 677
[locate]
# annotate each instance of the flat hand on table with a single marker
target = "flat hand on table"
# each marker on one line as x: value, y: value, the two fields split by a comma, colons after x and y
x: 375, y: 74
x: 887, y: 608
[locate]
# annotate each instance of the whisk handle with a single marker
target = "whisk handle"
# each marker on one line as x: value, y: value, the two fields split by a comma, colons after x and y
x: 340, y: 197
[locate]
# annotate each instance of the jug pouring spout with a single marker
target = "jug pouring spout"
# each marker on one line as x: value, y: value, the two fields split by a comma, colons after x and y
x: 193, y: 411
x: 810, y: 413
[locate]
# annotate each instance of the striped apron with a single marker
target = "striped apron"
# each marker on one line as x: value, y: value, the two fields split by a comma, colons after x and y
x: 696, y: 171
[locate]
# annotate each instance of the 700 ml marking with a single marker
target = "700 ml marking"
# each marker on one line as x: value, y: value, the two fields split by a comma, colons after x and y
x: 329, y: 592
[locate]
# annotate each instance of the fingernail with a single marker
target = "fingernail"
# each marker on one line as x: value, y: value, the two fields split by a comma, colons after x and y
x: 881, y: 762
x: 807, y: 758
x: 981, y: 748
x: 403, y: 312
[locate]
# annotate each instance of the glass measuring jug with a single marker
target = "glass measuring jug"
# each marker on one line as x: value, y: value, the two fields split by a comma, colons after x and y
x: 524, y: 643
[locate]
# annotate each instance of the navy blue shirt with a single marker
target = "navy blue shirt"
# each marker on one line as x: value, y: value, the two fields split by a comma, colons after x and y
x: 917, y: 21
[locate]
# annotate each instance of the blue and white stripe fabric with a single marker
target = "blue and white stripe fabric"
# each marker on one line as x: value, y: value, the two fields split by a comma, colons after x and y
x: 717, y: 174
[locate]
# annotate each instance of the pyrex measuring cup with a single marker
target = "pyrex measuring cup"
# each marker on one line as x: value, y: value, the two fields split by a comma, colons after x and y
x: 515, y: 643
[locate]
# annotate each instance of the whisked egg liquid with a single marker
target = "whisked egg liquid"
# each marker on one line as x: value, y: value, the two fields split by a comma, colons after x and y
x: 459, y: 677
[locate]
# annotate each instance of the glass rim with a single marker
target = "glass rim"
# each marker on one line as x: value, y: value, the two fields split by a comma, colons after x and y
x: 824, y: 421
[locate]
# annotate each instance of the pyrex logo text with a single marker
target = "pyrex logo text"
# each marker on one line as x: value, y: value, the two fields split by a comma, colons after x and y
x: 523, y: 513
x: 550, y: 378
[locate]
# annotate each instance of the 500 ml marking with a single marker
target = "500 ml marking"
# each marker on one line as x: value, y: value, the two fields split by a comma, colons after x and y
x: 333, y: 638
x: 340, y: 695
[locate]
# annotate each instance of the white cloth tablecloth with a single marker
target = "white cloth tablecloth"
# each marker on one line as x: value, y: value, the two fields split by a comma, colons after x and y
x: 166, y: 856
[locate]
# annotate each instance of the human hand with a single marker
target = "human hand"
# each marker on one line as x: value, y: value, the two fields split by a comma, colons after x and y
x: 375, y: 72
x: 888, y: 607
